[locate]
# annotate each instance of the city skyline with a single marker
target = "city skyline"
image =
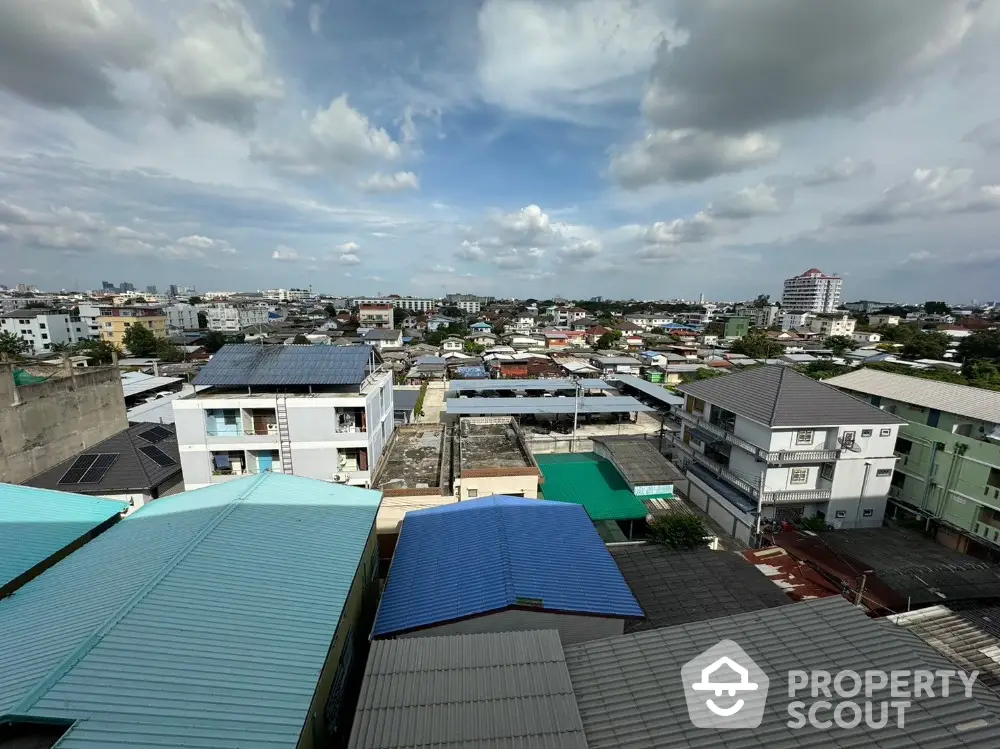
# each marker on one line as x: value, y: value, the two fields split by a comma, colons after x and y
x: 513, y: 148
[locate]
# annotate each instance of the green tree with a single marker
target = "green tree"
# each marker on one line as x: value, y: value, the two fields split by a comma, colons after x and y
x: 202, y: 321
x: 927, y: 345
x: 757, y: 345
x: 452, y: 312
x: 937, y: 308
x: 982, y: 345
x: 678, y: 531
x: 705, y: 373
x: 139, y: 300
x: 140, y: 340
x: 100, y: 352
x: 213, y: 341
x: 168, y: 352
x: 35, y: 305
x: 901, y: 333
x: 982, y: 373
x: 839, y: 344
x: 300, y: 339
x: 762, y: 300
x: 474, y: 348
x: 12, y: 346
x: 821, y: 370
x: 330, y: 310
x: 609, y: 340
x: 194, y: 300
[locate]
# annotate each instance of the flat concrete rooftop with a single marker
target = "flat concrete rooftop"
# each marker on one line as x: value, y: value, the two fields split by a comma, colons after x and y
x: 414, y: 458
x: 491, y: 446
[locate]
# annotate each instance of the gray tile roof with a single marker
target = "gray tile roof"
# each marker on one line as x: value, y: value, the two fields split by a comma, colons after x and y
x: 630, y: 693
x: 238, y: 365
x: 639, y: 461
x: 916, y: 567
x: 132, y: 470
x: 781, y: 397
x: 380, y: 334
x: 404, y: 399
x: 678, y: 587
x: 468, y: 692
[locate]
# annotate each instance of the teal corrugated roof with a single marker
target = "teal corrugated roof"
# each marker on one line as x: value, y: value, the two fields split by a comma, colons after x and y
x: 37, y: 523
x: 203, y: 619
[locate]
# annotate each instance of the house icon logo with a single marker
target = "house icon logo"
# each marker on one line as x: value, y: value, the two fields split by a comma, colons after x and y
x: 724, y: 688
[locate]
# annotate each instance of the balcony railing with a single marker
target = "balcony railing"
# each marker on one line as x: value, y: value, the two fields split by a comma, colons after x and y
x: 728, y: 436
x: 768, y: 456
x: 769, y: 497
x: 895, y: 492
x: 802, y: 456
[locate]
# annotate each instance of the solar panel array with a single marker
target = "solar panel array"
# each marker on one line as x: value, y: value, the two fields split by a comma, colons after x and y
x: 89, y: 468
x: 246, y: 364
x: 157, y: 456
x: 156, y: 434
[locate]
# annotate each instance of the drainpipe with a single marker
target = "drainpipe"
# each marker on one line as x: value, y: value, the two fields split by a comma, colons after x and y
x: 857, y: 514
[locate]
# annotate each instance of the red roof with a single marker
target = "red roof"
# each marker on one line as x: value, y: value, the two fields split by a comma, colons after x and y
x: 597, y: 330
x: 813, y: 270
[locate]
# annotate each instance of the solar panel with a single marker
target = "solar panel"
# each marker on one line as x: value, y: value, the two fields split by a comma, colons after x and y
x: 248, y: 364
x: 156, y: 434
x: 96, y: 472
x: 79, y: 467
x: 157, y: 456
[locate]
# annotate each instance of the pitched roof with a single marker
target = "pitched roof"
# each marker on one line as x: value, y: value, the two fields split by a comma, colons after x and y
x: 630, y: 693
x: 505, y: 689
x: 214, y: 609
x: 585, y: 479
x: 380, y: 334
x: 778, y: 396
x: 964, y: 400
x: 495, y: 553
x: 638, y: 460
x: 147, y: 458
x: 246, y: 364
x: 404, y: 399
x: 36, y: 524
x: 677, y: 587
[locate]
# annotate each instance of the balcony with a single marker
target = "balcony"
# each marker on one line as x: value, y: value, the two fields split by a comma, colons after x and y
x: 769, y: 497
x: 767, y: 456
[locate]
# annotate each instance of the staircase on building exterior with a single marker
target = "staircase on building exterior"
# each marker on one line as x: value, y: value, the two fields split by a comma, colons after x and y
x: 281, y: 411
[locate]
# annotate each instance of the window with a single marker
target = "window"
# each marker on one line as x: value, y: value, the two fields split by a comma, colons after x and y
x: 840, y: 514
x: 847, y: 440
x: 867, y: 513
x: 883, y: 473
x: 473, y: 493
x: 994, y: 478
x: 41, y: 325
x: 804, y: 437
x: 885, y: 432
x: 903, y: 446
x: 826, y: 471
x: 866, y: 432
x: 45, y: 336
x: 799, y: 476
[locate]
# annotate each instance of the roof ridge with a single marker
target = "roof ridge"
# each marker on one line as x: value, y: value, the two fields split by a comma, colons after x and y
x: 505, y: 563
x: 138, y: 458
x: 28, y: 701
x: 777, y: 394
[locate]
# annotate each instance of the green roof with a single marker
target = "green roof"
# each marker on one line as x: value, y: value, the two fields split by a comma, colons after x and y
x: 585, y: 479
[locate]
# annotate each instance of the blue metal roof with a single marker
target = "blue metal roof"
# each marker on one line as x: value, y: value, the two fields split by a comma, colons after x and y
x: 35, y: 524
x: 489, y: 554
x: 244, y: 364
x: 203, y: 619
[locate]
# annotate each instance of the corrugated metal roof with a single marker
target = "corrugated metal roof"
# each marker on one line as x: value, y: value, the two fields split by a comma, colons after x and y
x: 509, y: 689
x: 781, y: 397
x: 539, y: 384
x: 676, y: 587
x: 203, y: 618
x: 598, y: 404
x: 37, y: 523
x: 971, y: 402
x: 134, y: 383
x: 631, y: 696
x: 489, y: 554
x: 585, y: 479
x: 244, y: 364
x: 159, y: 411
x: 404, y: 399
x: 639, y: 461
x: 651, y: 389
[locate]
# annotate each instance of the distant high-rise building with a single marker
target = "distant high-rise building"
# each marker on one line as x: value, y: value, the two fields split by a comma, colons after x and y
x: 812, y: 291
x: 126, y: 286
x: 172, y: 289
x: 151, y: 289
x: 108, y: 286
x: 701, y: 298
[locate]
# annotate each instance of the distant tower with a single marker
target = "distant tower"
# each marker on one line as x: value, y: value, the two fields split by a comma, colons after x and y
x: 701, y: 298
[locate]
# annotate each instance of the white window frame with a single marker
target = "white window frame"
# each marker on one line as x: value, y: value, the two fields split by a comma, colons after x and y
x: 798, y: 476
x: 472, y: 493
x: 804, y: 436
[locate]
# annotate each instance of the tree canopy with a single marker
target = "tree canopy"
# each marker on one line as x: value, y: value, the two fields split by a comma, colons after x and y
x: 101, y: 352
x: 982, y: 345
x: 937, y: 308
x: 140, y: 340
x: 609, y: 339
x: 757, y: 345
x: 12, y: 345
x: 839, y: 344
x: 300, y: 339
x: 926, y: 345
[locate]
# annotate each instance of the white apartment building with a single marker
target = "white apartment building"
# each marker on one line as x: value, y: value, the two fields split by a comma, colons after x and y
x: 324, y: 412
x: 790, y: 320
x: 180, y: 315
x: 877, y: 321
x: 523, y: 322
x: 775, y: 442
x: 375, y: 315
x: 408, y: 303
x: 865, y: 337
x: 470, y: 306
x: 650, y: 321
x: 288, y: 295
x: 812, y: 291
x: 41, y: 328
x: 828, y: 325
x: 232, y: 318
x: 761, y: 317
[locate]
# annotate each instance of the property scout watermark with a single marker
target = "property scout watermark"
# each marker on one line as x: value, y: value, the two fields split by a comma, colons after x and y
x: 725, y: 688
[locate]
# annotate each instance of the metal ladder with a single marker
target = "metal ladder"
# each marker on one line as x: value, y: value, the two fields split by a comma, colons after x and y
x: 281, y: 411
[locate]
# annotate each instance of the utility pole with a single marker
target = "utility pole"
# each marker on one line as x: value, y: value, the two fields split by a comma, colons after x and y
x: 576, y: 410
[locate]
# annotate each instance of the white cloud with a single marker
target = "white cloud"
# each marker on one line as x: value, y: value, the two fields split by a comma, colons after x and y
x: 841, y: 171
x: 762, y: 199
x: 315, y: 17
x: 285, y: 254
x: 554, y: 58
x: 689, y: 156
x: 349, y: 258
x: 391, y: 182
x: 217, y: 69
x: 206, y: 244
x: 470, y: 251
x: 349, y: 247
x: 336, y: 138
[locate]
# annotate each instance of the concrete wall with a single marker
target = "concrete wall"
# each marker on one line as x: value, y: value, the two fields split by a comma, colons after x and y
x: 56, y: 419
x: 486, y: 486
x: 734, y: 522
x: 572, y: 628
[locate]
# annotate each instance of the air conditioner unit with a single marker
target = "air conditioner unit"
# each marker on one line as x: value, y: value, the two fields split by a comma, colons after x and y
x: 341, y: 478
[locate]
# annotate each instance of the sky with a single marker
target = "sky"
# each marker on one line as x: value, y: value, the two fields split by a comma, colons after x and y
x: 646, y: 149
